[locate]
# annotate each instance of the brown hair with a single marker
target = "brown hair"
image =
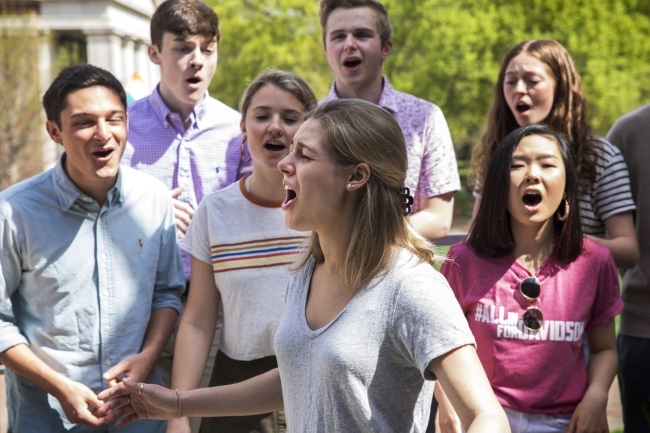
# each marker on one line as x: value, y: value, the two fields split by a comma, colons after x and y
x: 286, y: 81
x: 567, y: 116
x: 358, y: 131
x: 383, y: 22
x: 184, y: 18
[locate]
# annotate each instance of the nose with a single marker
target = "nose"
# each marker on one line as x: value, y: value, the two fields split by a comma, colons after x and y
x: 285, y: 165
x: 275, y: 127
x: 533, y: 174
x: 196, y: 61
x: 350, y: 43
x: 520, y: 87
x: 102, y: 131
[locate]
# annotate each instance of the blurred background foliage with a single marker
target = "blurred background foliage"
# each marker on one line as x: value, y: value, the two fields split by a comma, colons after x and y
x: 449, y: 51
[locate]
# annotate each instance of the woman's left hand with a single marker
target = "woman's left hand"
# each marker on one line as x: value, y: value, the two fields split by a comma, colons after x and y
x: 131, y: 401
x: 590, y: 416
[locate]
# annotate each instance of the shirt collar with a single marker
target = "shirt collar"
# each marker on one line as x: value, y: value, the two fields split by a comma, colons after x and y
x: 68, y: 193
x: 163, y: 112
x: 387, y: 99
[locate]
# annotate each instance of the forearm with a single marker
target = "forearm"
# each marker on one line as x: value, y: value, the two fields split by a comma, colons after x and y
x: 160, y: 327
x: 624, y: 250
x: 24, y: 362
x: 601, y: 371
x: 433, y: 221
x: 261, y: 394
x: 191, y: 351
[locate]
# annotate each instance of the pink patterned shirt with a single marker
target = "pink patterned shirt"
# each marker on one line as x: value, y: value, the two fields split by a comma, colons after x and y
x: 432, y: 168
x: 202, y: 159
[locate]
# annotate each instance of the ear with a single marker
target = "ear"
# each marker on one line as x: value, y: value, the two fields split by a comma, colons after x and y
x: 54, y: 132
x: 385, y: 51
x: 242, y: 127
x: 358, y: 177
x: 154, y: 54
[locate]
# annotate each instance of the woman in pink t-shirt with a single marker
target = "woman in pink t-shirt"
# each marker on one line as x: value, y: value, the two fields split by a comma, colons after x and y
x: 530, y: 285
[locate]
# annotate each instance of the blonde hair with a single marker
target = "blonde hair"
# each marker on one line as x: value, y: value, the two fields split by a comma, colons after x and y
x: 358, y: 131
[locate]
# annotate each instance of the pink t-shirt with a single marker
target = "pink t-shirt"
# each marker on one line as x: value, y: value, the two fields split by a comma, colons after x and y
x: 544, y: 371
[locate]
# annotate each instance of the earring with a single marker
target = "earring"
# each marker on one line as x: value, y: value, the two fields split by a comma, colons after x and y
x: 349, y: 186
x: 242, y: 153
x: 565, y: 214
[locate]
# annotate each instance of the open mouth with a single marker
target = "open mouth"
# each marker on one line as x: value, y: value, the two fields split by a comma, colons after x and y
x: 102, y: 153
x: 193, y: 80
x: 275, y: 147
x: 290, y: 197
x: 521, y: 107
x: 532, y: 198
x: 352, y: 63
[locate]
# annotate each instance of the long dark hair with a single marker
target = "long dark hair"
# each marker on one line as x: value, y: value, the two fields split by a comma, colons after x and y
x: 491, y: 234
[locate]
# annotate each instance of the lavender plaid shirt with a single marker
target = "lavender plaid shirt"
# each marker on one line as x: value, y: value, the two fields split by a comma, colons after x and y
x: 202, y: 159
x: 432, y: 168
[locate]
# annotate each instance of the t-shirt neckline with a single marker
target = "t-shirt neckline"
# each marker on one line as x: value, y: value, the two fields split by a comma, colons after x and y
x: 255, y: 200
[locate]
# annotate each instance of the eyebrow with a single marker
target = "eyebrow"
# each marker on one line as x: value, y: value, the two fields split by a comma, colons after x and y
x: 92, y: 115
x: 542, y: 156
x: 265, y: 107
x: 355, y: 29
x: 303, y: 145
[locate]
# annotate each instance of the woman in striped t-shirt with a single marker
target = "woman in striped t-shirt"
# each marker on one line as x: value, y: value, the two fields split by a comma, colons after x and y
x: 538, y: 83
x: 240, y: 251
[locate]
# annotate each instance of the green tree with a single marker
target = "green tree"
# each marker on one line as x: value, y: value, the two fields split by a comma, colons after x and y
x: 257, y: 35
x: 449, y: 51
x: 21, y: 121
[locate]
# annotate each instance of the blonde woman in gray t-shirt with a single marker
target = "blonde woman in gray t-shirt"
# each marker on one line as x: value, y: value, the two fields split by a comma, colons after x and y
x: 368, y: 323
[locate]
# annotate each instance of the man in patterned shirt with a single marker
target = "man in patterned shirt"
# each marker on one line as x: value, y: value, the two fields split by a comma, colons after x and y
x: 179, y: 134
x: 357, y: 37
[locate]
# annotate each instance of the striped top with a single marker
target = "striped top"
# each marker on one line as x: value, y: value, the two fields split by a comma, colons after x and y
x: 261, y: 253
x: 249, y: 247
x: 610, y: 194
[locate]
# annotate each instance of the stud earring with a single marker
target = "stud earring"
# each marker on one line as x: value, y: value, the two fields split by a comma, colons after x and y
x: 349, y: 186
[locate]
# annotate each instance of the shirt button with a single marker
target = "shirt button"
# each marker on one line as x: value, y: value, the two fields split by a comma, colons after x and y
x: 108, y: 328
x: 102, y: 256
x: 108, y: 362
x: 99, y: 221
x: 105, y: 292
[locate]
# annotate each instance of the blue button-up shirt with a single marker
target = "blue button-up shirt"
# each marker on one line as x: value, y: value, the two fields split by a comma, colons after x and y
x: 202, y: 159
x: 79, y: 281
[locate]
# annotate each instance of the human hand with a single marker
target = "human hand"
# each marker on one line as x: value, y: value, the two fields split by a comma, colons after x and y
x: 590, y: 415
x: 75, y: 399
x: 131, y: 401
x: 135, y: 367
x: 183, y: 213
x: 176, y: 425
x: 447, y: 418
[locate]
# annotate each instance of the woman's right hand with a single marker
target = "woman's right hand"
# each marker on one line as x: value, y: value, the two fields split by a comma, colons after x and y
x: 447, y: 416
x: 131, y: 401
x: 178, y: 425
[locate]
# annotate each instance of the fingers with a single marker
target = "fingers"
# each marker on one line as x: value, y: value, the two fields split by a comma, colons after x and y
x: 572, y: 424
x: 84, y: 416
x: 177, y: 191
x: 115, y: 391
x: 120, y: 368
x: 183, y: 214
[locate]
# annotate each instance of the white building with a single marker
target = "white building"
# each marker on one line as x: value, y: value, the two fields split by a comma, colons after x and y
x: 112, y: 34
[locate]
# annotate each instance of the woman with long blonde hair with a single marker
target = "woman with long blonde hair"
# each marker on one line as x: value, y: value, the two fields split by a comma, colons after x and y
x: 368, y: 323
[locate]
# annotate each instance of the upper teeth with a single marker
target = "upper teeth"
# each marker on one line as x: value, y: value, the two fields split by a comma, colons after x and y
x: 288, y: 187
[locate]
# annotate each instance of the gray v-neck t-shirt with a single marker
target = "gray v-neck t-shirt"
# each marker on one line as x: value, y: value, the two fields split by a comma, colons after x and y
x: 365, y: 370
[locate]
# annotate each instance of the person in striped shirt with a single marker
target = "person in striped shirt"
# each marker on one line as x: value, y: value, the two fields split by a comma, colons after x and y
x: 538, y: 83
x: 240, y: 252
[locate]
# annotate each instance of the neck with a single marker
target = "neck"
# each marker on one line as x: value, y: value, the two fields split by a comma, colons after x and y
x: 266, y: 184
x: 175, y: 106
x: 370, y: 92
x: 333, y: 242
x: 533, y: 244
x: 95, y: 189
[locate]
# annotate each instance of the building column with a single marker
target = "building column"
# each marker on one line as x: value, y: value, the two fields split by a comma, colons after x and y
x: 142, y: 63
x: 128, y: 58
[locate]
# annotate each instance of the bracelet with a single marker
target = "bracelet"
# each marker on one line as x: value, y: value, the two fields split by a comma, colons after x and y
x: 178, y: 397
